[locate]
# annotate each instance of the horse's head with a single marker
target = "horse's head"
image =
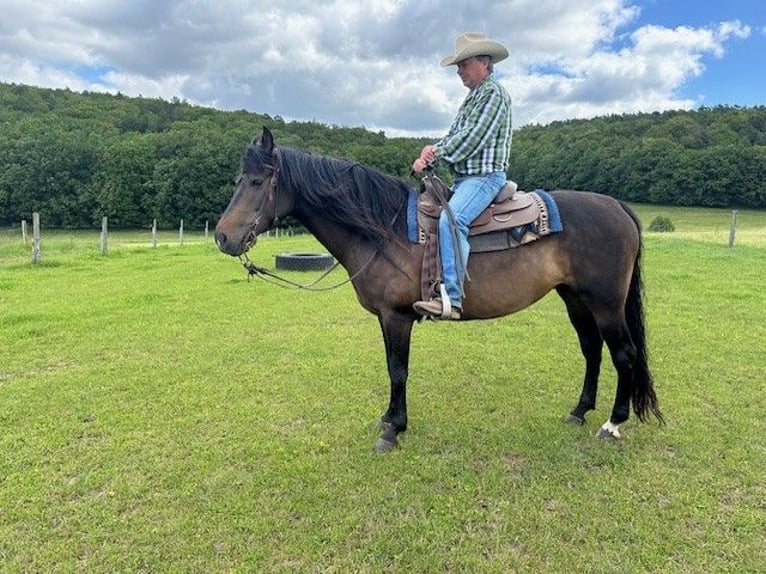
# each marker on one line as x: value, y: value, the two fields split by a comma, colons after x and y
x: 256, y: 204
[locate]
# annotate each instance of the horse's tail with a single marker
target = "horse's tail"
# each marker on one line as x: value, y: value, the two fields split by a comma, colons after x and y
x: 644, y: 398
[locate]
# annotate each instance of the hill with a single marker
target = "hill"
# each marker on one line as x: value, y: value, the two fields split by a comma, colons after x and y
x: 76, y: 157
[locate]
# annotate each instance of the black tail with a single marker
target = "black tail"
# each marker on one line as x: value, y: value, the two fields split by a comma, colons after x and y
x: 644, y: 397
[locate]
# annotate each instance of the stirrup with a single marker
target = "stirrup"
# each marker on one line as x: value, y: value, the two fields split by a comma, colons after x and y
x: 446, y: 303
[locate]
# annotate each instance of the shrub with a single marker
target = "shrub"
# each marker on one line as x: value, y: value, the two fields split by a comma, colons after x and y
x: 661, y: 223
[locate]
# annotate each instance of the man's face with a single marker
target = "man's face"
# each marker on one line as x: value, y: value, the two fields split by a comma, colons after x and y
x: 472, y: 71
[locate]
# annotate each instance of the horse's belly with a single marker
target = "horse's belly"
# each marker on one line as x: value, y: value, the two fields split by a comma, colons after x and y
x: 507, y: 282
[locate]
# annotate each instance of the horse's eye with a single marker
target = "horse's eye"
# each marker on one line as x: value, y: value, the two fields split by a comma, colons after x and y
x: 256, y: 181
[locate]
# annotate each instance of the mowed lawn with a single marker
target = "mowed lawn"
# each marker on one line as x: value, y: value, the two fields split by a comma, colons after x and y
x: 161, y: 413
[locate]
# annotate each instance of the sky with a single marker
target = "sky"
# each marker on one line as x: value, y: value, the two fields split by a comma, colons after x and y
x: 376, y: 63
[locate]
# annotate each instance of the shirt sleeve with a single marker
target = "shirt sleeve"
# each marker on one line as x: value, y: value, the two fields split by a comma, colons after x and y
x: 481, y: 117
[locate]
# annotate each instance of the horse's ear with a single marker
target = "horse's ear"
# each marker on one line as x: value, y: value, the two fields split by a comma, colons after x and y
x: 266, y: 140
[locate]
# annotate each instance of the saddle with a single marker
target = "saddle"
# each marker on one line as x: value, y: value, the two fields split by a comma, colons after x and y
x: 512, y: 219
x: 523, y: 216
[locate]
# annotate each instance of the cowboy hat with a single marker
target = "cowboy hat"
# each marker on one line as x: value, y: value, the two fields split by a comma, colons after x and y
x: 472, y: 44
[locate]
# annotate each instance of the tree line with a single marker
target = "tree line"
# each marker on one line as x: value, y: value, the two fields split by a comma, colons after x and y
x: 711, y: 157
x: 76, y: 157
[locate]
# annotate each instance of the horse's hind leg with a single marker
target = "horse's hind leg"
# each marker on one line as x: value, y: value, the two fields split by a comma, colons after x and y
x: 591, y: 345
x: 623, y: 353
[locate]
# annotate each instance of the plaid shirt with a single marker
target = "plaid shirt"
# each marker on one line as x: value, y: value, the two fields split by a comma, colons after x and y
x: 479, y: 140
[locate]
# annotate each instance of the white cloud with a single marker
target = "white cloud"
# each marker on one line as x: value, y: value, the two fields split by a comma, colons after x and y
x: 355, y: 62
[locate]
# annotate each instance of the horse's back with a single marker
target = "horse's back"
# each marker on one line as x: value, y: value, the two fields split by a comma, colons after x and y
x: 597, y: 222
x: 587, y: 206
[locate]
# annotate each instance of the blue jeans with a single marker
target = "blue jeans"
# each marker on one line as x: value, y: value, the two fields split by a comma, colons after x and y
x: 471, y: 196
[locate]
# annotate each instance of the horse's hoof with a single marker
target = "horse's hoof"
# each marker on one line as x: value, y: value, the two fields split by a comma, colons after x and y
x: 609, y: 431
x: 572, y: 419
x: 383, y: 446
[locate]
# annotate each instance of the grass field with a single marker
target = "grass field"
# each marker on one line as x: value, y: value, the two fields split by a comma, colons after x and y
x: 160, y: 413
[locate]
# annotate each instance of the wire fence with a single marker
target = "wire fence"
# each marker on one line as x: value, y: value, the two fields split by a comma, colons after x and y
x: 31, y: 241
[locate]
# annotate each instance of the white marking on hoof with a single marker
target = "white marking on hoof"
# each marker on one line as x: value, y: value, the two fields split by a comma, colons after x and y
x: 609, y: 430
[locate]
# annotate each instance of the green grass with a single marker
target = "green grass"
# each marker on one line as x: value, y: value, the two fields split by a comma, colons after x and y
x: 160, y: 413
x: 710, y: 225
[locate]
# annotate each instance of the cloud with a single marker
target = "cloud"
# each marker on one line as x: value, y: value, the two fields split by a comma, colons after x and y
x: 646, y: 74
x: 372, y: 63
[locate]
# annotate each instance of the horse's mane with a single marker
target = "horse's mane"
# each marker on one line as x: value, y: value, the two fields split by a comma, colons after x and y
x: 361, y: 199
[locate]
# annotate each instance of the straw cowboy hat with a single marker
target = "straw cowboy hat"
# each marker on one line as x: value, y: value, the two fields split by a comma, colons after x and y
x: 472, y: 44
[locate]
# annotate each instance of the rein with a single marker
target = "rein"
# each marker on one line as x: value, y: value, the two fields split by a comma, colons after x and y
x: 438, y: 188
x: 274, y: 279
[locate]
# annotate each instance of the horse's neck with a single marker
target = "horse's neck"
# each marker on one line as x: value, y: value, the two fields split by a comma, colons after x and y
x: 348, y: 248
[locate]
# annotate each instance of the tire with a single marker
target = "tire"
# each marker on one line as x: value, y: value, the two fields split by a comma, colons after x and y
x: 304, y: 261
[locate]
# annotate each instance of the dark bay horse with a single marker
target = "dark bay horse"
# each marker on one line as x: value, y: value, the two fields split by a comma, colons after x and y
x: 360, y: 215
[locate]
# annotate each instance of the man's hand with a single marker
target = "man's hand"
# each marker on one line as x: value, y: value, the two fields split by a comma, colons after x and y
x: 419, y: 166
x: 427, y: 156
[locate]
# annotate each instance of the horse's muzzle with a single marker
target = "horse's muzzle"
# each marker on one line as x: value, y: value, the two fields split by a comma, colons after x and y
x: 234, y: 248
x: 226, y: 246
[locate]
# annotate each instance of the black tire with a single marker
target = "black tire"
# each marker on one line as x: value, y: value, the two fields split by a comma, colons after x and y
x: 304, y: 261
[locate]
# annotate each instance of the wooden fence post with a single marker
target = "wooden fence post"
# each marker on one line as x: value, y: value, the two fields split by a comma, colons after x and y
x: 181, y: 232
x: 207, y: 225
x: 24, y: 231
x: 104, y: 235
x: 732, y: 228
x: 35, y: 237
x: 154, y: 233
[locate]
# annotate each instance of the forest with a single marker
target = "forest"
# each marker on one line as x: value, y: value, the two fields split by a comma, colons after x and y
x: 76, y: 157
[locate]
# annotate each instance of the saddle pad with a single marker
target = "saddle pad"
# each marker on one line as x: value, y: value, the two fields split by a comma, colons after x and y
x: 412, y: 215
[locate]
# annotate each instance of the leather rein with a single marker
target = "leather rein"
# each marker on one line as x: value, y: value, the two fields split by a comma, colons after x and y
x: 274, y: 279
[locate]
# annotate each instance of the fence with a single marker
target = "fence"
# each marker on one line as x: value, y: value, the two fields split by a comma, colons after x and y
x: 104, y: 242
x: 154, y: 239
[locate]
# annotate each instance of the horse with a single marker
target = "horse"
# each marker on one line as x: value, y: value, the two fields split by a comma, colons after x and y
x: 359, y: 214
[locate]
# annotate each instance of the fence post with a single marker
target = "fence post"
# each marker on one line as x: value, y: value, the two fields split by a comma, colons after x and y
x: 732, y: 228
x: 154, y: 233
x: 181, y: 232
x: 24, y: 231
x: 35, y: 237
x: 104, y: 235
x: 206, y: 228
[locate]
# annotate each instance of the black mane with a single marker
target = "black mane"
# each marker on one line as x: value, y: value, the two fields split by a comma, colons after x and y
x: 361, y: 199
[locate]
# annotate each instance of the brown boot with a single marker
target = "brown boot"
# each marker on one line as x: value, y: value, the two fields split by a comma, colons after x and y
x: 434, y: 309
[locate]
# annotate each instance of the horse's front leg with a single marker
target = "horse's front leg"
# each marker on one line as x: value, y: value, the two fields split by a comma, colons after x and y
x: 397, y: 332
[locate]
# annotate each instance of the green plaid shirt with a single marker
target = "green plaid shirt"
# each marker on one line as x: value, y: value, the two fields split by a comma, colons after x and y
x: 479, y: 140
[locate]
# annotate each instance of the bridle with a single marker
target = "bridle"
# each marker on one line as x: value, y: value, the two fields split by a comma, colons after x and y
x: 270, y: 196
x: 273, y: 278
x: 273, y: 183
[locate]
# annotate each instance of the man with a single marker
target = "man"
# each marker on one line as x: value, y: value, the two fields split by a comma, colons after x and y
x: 476, y: 148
